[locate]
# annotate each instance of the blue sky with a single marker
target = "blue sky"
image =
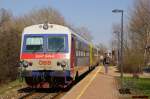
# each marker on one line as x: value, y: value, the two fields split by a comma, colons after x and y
x: 96, y: 15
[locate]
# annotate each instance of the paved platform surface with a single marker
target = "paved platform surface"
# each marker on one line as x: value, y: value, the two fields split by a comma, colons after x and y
x: 96, y: 85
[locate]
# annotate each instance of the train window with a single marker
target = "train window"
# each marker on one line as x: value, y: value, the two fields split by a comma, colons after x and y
x: 56, y: 44
x: 87, y: 54
x: 84, y: 53
x: 77, y: 45
x: 34, y: 44
x: 79, y: 53
x: 76, y: 53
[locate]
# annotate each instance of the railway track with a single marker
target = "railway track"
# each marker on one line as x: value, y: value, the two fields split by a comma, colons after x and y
x: 38, y: 95
x: 29, y: 93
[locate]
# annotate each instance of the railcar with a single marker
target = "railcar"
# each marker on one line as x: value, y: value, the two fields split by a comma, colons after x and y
x: 54, y: 55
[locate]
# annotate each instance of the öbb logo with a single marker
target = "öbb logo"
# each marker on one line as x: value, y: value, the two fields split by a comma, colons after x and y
x: 44, y: 62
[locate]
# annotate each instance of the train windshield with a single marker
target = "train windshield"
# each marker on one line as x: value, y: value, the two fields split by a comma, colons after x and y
x: 34, y: 44
x: 56, y: 43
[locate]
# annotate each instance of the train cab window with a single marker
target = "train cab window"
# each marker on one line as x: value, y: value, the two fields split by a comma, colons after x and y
x: 34, y: 44
x: 56, y: 44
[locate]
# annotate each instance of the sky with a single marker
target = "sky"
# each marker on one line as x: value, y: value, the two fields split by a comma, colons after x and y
x: 96, y: 15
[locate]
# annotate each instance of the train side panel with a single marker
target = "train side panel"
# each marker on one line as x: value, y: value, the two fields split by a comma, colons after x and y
x: 81, y: 56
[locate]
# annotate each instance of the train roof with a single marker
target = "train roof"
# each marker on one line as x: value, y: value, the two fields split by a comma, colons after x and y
x: 52, y: 28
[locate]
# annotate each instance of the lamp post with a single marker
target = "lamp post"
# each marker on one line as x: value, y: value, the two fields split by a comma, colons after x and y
x: 121, y: 45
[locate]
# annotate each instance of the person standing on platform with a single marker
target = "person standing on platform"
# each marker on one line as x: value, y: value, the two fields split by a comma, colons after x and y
x: 106, y: 63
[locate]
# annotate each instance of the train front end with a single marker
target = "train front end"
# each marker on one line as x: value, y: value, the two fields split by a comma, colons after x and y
x: 45, y: 56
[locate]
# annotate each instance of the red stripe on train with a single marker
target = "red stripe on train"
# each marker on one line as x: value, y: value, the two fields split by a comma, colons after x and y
x: 42, y: 56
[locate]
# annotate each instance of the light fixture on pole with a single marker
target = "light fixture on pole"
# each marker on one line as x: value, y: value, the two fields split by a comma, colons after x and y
x: 121, y: 45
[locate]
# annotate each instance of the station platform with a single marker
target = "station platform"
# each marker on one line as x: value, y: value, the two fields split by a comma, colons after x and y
x: 96, y: 85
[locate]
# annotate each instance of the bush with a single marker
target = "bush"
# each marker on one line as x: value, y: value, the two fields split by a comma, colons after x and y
x: 132, y: 61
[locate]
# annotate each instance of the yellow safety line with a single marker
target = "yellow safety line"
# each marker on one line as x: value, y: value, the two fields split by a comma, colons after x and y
x: 78, y: 97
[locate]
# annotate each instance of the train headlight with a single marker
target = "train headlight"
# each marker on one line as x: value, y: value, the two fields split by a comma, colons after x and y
x: 63, y: 64
x: 30, y: 63
x: 58, y: 63
x: 24, y: 63
x: 21, y: 63
x: 45, y: 26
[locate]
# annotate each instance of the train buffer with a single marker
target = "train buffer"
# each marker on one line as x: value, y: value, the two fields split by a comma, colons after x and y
x: 96, y: 85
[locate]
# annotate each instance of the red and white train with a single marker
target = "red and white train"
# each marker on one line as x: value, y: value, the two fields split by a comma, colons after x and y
x: 54, y: 55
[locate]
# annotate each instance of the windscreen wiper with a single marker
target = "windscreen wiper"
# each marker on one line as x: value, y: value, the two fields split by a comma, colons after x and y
x: 60, y: 48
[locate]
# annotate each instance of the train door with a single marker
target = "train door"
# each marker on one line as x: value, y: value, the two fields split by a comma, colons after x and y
x: 91, y: 55
x: 72, y: 67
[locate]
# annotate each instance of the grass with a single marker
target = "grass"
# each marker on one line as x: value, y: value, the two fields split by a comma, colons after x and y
x: 10, y: 85
x: 138, y: 86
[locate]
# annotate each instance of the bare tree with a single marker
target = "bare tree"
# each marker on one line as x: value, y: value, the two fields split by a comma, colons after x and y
x: 6, y: 50
x: 84, y: 31
x: 102, y: 48
x: 137, y: 36
x: 139, y: 26
x: 116, y: 36
x: 44, y: 15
